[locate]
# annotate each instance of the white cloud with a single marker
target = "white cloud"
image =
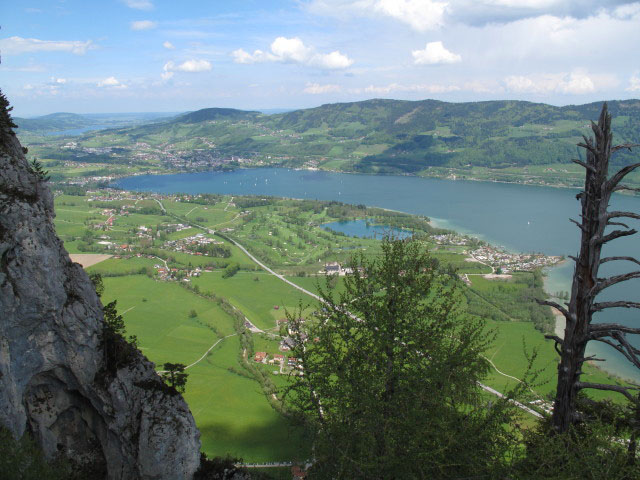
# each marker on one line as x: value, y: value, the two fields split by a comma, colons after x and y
x: 143, y: 25
x: 634, y: 84
x: 422, y: 15
x: 189, y: 66
x: 58, y: 81
x: 19, y: 45
x: 111, y: 82
x: 317, y: 89
x: 575, y: 83
x: 293, y: 50
x: 332, y: 61
x: 397, y: 87
x: 168, y: 45
x: 139, y: 4
x: 434, y: 53
x: 290, y: 50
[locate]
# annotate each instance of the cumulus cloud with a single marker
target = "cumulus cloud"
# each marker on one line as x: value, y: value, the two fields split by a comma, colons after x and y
x: 575, y: 83
x: 434, y: 53
x: 189, y: 66
x: 634, y: 84
x: 143, y: 25
x: 293, y: 50
x: 168, y: 45
x: 19, y: 45
x: 317, y: 89
x: 110, y: 82
x: 422, y: 15
x: 139, y: 4
x: 58, y: 81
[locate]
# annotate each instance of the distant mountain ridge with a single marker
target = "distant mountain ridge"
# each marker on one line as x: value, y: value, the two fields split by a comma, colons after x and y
x: 60, y: 121
x: 389, y: 136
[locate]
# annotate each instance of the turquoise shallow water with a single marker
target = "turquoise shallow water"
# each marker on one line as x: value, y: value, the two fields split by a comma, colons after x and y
x: 518, y: 217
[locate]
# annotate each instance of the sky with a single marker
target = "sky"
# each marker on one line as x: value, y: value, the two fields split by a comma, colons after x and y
x: 91, y: 56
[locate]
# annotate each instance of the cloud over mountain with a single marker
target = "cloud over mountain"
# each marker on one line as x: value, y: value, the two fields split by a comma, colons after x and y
x: 293, y: 50
x: 434, y: 53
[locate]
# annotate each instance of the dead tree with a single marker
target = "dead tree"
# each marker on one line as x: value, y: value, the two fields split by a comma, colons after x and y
x: 587, y: 285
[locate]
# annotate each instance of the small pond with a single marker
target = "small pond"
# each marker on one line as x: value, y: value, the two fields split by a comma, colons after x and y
x: 365, y: 229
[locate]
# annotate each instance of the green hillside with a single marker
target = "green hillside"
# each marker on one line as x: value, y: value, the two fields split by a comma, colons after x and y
x: 512, y: 141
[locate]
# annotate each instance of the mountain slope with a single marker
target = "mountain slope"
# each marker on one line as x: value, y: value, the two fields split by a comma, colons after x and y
x: 377, y: 136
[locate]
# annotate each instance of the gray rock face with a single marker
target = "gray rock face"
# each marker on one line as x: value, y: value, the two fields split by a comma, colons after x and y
x: 52, y: 380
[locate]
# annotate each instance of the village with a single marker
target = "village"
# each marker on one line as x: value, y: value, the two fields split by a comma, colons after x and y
x: 505, y: 262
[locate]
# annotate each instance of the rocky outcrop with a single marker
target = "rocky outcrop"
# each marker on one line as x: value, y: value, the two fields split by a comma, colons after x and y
x: 53, y: 378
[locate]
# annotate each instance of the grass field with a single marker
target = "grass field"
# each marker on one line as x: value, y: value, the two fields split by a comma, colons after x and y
x: 230, y: 410
x: 257, y: 299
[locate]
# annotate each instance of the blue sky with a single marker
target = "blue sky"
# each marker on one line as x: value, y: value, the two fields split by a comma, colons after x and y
x: 155, y: 55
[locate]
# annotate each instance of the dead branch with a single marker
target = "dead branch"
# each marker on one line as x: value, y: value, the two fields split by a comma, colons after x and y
x: 612, y: 388
x: 613, y: 235
x: 604, y: 283
x: 611, y: 259
x: 591, y: 168
x: 549, y: 303
x: 616, y: 178
x: 624, y: 146
x: 597, y: 307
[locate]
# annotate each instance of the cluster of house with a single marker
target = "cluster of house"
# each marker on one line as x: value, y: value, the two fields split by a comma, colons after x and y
x: 450, y: 239
x: 144, y: 232
x: 334, y: 268
x: 277, y: 358
x: 189, y: 244
x: 166, y: 273
x: 513, y: 262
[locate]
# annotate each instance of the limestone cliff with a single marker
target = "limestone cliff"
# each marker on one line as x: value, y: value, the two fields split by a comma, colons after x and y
x: 52, y: 372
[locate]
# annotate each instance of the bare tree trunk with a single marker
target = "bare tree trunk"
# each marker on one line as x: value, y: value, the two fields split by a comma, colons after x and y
x: 586, y: 284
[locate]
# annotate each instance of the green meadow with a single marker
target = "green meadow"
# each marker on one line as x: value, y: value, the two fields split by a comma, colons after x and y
x: 178, y: 319
x: 262, y: 297
x: 230, y: 409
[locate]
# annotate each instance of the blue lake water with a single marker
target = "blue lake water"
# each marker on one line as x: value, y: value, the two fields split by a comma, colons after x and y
x: 518, y: 217
x: 78, y: 131
x: 364, y: 229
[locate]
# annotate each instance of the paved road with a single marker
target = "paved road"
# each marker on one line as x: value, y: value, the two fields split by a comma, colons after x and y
x: 281, y: 277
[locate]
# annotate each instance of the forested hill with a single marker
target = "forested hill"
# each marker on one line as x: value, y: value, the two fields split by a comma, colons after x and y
x: 433, y: 133
x: 385, y: 136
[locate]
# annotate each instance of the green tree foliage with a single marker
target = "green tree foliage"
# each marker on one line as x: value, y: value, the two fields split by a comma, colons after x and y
x: 117, y: 351
x: 175, y: 376
x: 593, y: 450
x: 96, y: 279
x: 230, y: 270
x: 390, y: 375
x: 6, y: 122
x: 36, y: 167
x: 23, y: 460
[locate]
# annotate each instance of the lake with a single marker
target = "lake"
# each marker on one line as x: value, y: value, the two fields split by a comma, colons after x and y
x: 518, y: 217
